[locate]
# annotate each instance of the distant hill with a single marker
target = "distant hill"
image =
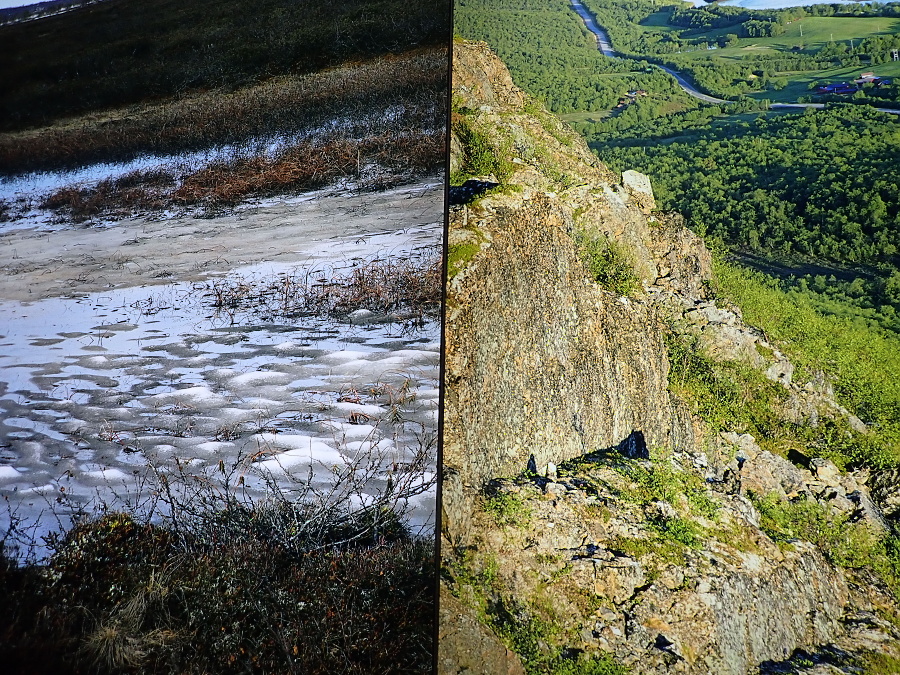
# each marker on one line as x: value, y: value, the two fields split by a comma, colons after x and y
x: 40, y: 9
x: 112, y: 53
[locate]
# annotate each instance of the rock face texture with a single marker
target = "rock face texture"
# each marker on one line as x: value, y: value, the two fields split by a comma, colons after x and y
x: 543, y: 364
x: 469, y: 647
x: 550, y: 374
x: 582, y: 503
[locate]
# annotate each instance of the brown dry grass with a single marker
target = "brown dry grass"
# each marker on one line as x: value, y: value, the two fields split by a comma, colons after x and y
x: 410, y: 84
x: 134, y: 192
x: 374, y: 162
x: 408, y: 287
x: 120, y: 52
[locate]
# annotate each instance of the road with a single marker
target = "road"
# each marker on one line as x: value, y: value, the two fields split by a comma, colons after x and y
x: 602, y: 38
x: 606, y: 49
x: 684, y: 84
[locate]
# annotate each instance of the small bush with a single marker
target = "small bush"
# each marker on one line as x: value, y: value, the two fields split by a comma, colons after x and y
x: 508, y: 509
x: 607, y: 263
x: 481, y: 155
x: 199, y: 576
x: 663, y: 482
x: 680, y: 529
x: 409, y: 289
x: 531, y: 638
x: 119, y: 596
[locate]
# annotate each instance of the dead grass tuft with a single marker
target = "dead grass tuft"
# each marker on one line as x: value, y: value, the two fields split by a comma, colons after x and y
x: 135, y: 192
x: 406, y: 288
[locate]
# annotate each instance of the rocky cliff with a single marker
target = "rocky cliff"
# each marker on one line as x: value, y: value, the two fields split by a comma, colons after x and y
x: 592, y: 520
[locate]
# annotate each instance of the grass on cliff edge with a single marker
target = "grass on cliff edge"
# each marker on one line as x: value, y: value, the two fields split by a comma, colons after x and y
x: 481, y: 156
x: 862, y: 362
x: 732, y: 396
x: 519, y: 625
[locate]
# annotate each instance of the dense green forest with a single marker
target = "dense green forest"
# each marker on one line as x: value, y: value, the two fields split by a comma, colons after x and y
x: 818, y: 187
x: 554, y: 57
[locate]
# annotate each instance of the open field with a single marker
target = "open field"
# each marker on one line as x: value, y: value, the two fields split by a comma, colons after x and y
x: 798, y: 83
x: 817, y: 32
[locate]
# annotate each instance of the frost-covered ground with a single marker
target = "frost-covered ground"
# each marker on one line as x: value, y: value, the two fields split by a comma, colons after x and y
x: 112, y: 363
x: 22, y: 195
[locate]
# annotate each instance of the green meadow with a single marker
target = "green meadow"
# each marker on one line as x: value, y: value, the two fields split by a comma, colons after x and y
x: 817, y: 31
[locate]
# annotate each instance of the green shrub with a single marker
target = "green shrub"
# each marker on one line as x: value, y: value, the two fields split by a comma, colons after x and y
x: 681, y: 530
x: 607, y: 263
x: 481, y: 155
x: 508, y: 509
x: 530, y: 637
x: 663, y: 482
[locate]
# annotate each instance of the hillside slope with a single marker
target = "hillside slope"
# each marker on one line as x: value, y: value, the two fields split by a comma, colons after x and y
x: 634, y: 479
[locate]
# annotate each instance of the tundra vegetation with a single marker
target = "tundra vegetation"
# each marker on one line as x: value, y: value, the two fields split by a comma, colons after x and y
x: 299, y: 94
x: 204, y: 576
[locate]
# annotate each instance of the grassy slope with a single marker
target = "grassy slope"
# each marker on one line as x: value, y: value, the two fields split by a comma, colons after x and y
x: 123, y: 52
x: 357, y: 93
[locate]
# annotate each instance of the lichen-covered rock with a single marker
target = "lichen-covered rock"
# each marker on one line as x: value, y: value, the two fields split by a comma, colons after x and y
x: 541, y: 362
x: 885, y: 487
x: 467, y: 647
x: 650, y: 548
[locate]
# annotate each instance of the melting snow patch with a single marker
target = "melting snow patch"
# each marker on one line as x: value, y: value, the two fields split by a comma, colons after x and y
x: 258, y: 377
x: 196, y: 394
x: 347, y: 431
x: 213, y: 447
x: 106, y: 475
x: 9, y: 473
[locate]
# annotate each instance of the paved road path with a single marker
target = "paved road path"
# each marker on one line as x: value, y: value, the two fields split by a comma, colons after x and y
x: 602, y: 38
x: 606, y: 49
x: 684, y: 84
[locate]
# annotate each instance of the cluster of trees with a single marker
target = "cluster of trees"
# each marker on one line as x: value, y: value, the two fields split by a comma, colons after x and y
x: 622, y: 19
x: 754, y: 23
x: 818, y: 186
x: 623, y: 129
x: 551, y: 54
x: 714, y: 16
